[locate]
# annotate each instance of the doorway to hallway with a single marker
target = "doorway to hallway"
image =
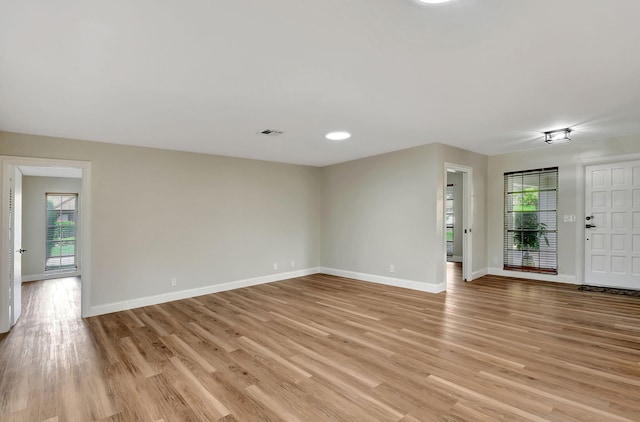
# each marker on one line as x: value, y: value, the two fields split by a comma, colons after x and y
x: 10, y: 281
x: 457, y: 213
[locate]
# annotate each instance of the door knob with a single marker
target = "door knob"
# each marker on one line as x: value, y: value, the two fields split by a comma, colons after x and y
x: 590, y: 226
x: 21, y: 250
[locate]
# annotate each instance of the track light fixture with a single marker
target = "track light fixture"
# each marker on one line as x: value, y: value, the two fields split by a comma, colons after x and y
x: 559, y: 136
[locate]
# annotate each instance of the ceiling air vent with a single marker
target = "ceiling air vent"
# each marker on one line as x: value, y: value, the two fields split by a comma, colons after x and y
x: 272, y: 132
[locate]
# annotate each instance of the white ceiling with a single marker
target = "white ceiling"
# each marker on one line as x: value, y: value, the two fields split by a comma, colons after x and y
x: 207, y: 75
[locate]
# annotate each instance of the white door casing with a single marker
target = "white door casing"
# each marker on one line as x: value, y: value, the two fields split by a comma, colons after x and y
x: 612, y: 208
x: 467, y: 217
x: 84, y: 231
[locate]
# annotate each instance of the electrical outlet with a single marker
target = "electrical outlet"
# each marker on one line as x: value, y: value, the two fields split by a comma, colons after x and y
x: 275, y: 265
x: 174, y: 281
x: 392, y: 268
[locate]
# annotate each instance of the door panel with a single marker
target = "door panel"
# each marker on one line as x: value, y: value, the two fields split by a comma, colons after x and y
x: 17, y: 247
x: 612, y: 209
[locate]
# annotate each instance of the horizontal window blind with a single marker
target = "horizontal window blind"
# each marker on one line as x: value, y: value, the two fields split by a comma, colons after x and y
x: 530, y: 221
x: 61, y: 231
x: 449, y: 218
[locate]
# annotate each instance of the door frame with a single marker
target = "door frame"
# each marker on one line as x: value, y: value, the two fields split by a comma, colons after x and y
x: 7, y: 163
x: 467, y: 223
x: 581, y: 260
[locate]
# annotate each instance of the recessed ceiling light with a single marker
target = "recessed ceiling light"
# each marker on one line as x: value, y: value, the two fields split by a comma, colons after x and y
x: 338, y: 136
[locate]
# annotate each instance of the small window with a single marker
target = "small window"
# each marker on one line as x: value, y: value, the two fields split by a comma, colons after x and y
x: 61, y: 231
x: 449, y: 218
x: 530, y: 221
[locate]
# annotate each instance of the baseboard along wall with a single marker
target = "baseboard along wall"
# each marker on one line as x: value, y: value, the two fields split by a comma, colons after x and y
x: 566, y: 279
x: 49, y: 276
x: 200, y: 291
x: 389, y: 281
x: 238, y: 284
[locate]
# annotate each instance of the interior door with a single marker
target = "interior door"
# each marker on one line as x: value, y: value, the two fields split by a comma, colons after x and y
x: 612, y: 225
x: 16, y: 249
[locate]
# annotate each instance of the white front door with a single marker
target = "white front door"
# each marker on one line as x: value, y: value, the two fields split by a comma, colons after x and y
x: 612, y: 225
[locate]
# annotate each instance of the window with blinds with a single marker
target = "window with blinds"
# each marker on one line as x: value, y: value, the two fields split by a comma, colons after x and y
x: 61, y: 231
x: 531, y: 221
x: 449, y: 218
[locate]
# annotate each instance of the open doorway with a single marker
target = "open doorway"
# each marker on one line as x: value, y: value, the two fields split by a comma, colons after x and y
x: 16, y: 257
x: 457, y: 222
x: 50, y: 220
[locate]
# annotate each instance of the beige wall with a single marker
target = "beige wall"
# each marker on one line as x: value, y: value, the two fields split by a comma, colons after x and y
x: 34, y: 190
x: 360, y: 216
x: 388, y: 210
x: 203, y: 219
x: 570, y: 159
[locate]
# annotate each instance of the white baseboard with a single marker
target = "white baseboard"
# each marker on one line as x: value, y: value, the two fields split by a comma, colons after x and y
x: 185, y: 294
x: 49, y: 276
x: 567, y: 279
x: 454, y: 258
x: 389, y: 281
x: 479, y: 273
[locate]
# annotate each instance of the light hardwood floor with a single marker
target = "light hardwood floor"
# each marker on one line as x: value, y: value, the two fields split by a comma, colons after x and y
x: 323, y: 348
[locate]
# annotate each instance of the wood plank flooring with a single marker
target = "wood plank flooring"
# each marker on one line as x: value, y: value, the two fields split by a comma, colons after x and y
x: 323, y: 348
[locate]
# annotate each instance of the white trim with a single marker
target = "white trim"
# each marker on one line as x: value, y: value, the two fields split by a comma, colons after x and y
x: 467, y: 221
x: 388, y: 281
x: 567, y: 279
x: 5, y: 283
x: 49, y: 276
x: 185, y: 294
x: 580, y: 219
x: 9, y: 179
x: 610, y: 159
x: 84, y: 229
x: 454, y: 258
x: 479, y: 273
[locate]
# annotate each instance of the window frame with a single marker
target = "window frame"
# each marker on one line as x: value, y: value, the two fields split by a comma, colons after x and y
x: 450, y: 243
x: 60, y: 268
x: 530, y: 234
